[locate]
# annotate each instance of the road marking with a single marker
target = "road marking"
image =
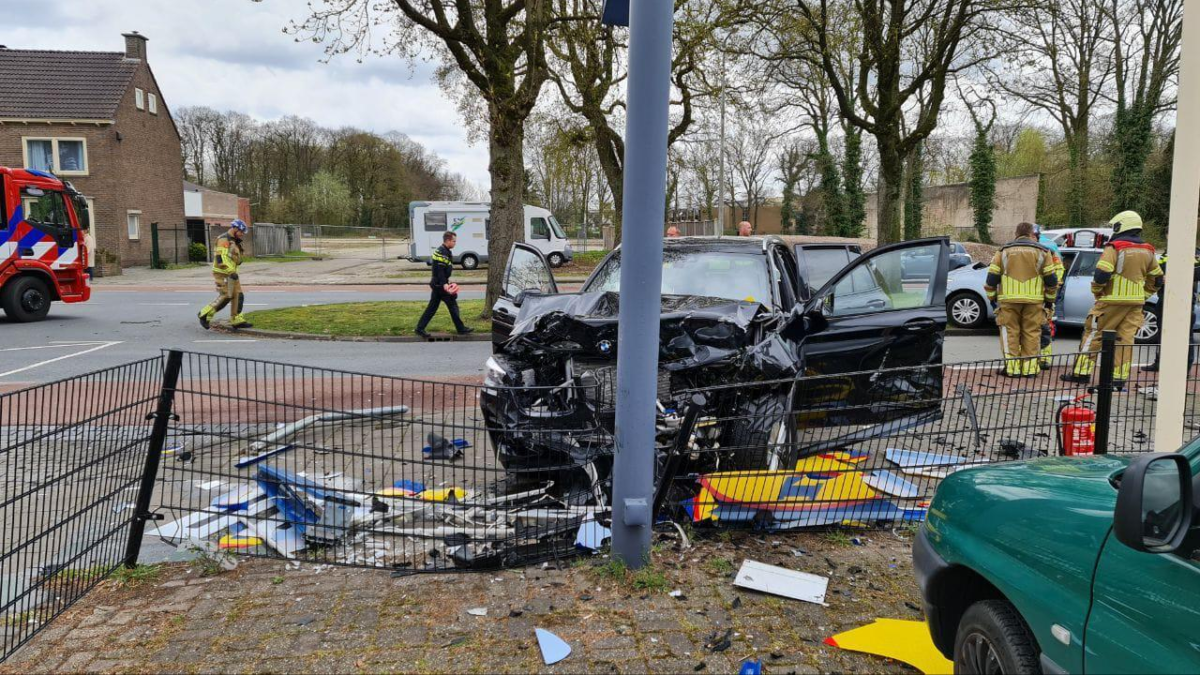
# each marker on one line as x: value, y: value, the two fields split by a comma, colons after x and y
x: 60, y: 358
x: 53, y: 346
x: 231, y: 340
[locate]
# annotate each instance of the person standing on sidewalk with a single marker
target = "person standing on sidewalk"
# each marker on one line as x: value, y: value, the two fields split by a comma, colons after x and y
x: 1023, y: 282
x: 1127, y: 273
x: 442, y: 290
x: 226, y: 259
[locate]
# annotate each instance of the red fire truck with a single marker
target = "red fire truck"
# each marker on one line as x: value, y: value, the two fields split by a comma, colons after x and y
x: 42, y: 253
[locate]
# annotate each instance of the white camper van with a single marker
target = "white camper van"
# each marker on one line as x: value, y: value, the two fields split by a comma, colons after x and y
x: 470, y: 221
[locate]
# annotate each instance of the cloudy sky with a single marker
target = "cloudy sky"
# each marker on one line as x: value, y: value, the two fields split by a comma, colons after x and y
x: 233, y: 55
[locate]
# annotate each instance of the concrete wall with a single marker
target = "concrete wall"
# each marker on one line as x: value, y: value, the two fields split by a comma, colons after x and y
x: 948, y: 211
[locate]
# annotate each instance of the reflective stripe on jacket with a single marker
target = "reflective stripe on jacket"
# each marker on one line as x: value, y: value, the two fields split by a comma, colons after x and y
x: 1022, y: 272
x: 228, y: 255
x: 1128, y: 273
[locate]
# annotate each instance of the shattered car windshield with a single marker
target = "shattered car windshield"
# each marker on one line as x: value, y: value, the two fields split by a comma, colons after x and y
x: 714, y: 274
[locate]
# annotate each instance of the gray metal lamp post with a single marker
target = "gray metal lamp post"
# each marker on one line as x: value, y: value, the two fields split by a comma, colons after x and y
x: 645, y: 185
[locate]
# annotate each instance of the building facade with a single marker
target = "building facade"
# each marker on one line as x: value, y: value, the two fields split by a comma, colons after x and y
x: 99, y: 120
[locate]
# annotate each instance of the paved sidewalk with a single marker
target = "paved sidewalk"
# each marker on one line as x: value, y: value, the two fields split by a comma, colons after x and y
x: 268, y: 617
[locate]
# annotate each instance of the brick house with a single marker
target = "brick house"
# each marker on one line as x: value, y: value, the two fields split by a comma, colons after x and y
x: 99, y: 120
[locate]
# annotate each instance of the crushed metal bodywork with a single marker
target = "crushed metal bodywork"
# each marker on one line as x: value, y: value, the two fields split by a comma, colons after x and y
x: 549, y: 399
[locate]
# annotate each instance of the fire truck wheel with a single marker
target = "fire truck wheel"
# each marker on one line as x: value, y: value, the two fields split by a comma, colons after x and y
x: 26, y: 299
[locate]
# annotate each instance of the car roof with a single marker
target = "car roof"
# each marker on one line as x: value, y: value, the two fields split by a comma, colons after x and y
x: 747, y: 245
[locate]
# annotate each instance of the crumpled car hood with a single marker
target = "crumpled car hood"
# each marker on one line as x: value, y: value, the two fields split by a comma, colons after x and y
x: 694, y: 332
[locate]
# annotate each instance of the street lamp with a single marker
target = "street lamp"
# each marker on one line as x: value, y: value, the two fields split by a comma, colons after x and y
x: 645, y: 187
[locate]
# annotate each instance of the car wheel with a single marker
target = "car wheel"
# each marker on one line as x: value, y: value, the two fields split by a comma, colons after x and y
x: 993, y: 638
x: 1149, y: 332
x: 758, y: 437
x: 555, y: 259
x: 26, y: 299
x: 469, y: 262
x: 966, y: 310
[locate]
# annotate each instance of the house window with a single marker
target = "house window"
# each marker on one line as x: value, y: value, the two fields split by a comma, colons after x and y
x: 133, y: 220
x: 139, y: 98
x: 62, y: 156
x: 152, y: 104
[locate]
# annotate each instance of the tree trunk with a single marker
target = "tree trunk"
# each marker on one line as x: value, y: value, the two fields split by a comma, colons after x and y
x: 611, y: 164
x: 506, y: 165
x: 891, y: 188
x: 1134, y: 129
x: 913, y: 196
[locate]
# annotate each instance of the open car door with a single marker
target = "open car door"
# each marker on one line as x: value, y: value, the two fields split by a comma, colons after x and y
x: 873, y: 316
x: 527, y: 272
x: 818, y: 263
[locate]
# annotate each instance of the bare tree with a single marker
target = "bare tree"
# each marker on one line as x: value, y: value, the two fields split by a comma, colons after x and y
x: 887, y: 61
x: 1059, y: 67
x: 749, y: 150
x: 491, y: 52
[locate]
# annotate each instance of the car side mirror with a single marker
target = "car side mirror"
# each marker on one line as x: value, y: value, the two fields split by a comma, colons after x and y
x: 1154, y: 505
x: 804, y: 319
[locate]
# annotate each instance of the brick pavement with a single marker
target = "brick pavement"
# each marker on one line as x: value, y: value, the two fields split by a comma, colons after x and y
x: 268, y: 617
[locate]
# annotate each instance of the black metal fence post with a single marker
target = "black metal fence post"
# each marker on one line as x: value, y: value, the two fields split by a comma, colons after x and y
x: 155, y: 258
x: 1104, y: 390
x: 158, y: 436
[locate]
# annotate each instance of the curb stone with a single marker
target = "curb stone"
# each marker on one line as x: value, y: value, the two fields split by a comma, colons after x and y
x: 283, y: 335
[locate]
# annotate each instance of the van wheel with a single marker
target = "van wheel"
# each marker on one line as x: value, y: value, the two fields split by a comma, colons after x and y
x: 26, y: 299
x: 993, y: 638
x: 469, y: 262
x: 555, y: 259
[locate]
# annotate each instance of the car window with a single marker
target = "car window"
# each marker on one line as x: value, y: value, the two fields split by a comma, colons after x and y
x: 714, y: 274
x: 526, y: 272
x: 821, y: 264
x: 558, y: 229
x: 1086, y: 266
x: 1085, y: 239
x: 881, y: 284
x: 538, y: 229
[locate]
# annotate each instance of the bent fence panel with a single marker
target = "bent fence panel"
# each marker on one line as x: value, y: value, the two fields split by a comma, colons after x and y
x: 71, y: 462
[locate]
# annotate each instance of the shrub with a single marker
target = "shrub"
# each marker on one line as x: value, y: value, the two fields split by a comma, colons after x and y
x: 197, y: 252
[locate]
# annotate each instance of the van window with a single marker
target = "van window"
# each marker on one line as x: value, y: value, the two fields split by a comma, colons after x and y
x: 538, y: 229
x: 435, y: 221
x: 558, y: 229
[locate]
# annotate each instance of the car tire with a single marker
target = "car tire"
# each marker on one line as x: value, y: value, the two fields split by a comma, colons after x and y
x: 993, y: 638
x: 556, y: 260
x: 469, y: 262
x: 757, y: 430
x: 966, y: 310
x: 1150, y: 332
x: 26, y: 299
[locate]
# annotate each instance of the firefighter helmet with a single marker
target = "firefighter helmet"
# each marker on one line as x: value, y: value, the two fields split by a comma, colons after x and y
x: 1126, y: 221
x: 239, y: 225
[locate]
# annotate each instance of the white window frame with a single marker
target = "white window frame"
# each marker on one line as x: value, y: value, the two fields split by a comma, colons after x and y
x: 151, y: 103
x: 139, y: 98
x: 137, y: 231
x: 55, y: 169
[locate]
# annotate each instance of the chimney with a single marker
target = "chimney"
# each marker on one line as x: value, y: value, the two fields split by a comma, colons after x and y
x: 135, y: 45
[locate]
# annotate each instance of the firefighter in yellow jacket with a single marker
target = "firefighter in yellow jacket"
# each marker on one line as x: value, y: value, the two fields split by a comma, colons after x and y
x: 1022, y: 279
x: 226, y: 259
x: 1127, y: 274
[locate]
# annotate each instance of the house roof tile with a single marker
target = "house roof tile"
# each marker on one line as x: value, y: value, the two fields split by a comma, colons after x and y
x: 45, y: 84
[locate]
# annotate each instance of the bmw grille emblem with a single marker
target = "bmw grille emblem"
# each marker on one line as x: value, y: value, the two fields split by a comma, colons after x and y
x: 604, y: 346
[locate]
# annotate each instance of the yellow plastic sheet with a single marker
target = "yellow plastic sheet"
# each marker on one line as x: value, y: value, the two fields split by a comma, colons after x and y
x: 905, y: 641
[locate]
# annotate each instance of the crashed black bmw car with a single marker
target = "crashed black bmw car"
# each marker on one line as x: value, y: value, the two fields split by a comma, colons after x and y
x: 748, y: 310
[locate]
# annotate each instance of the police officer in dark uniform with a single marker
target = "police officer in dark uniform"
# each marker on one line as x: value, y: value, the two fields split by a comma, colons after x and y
x: 442, y: 289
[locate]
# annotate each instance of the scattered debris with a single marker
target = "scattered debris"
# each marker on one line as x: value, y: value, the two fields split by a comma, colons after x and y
x: 905, y: 641
x: 719, y: 642
x: 751, y: 667
x: 677, y: 594
x: 478, y: 611
x: 591, y: 535
x: 554, y: 649
x: 783, y: 582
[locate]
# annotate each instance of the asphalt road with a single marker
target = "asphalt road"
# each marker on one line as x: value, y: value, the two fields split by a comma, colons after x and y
x: 120, y: 325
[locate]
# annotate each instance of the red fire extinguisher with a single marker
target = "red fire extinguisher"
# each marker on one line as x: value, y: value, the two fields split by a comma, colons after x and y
x: 1076, y: 427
